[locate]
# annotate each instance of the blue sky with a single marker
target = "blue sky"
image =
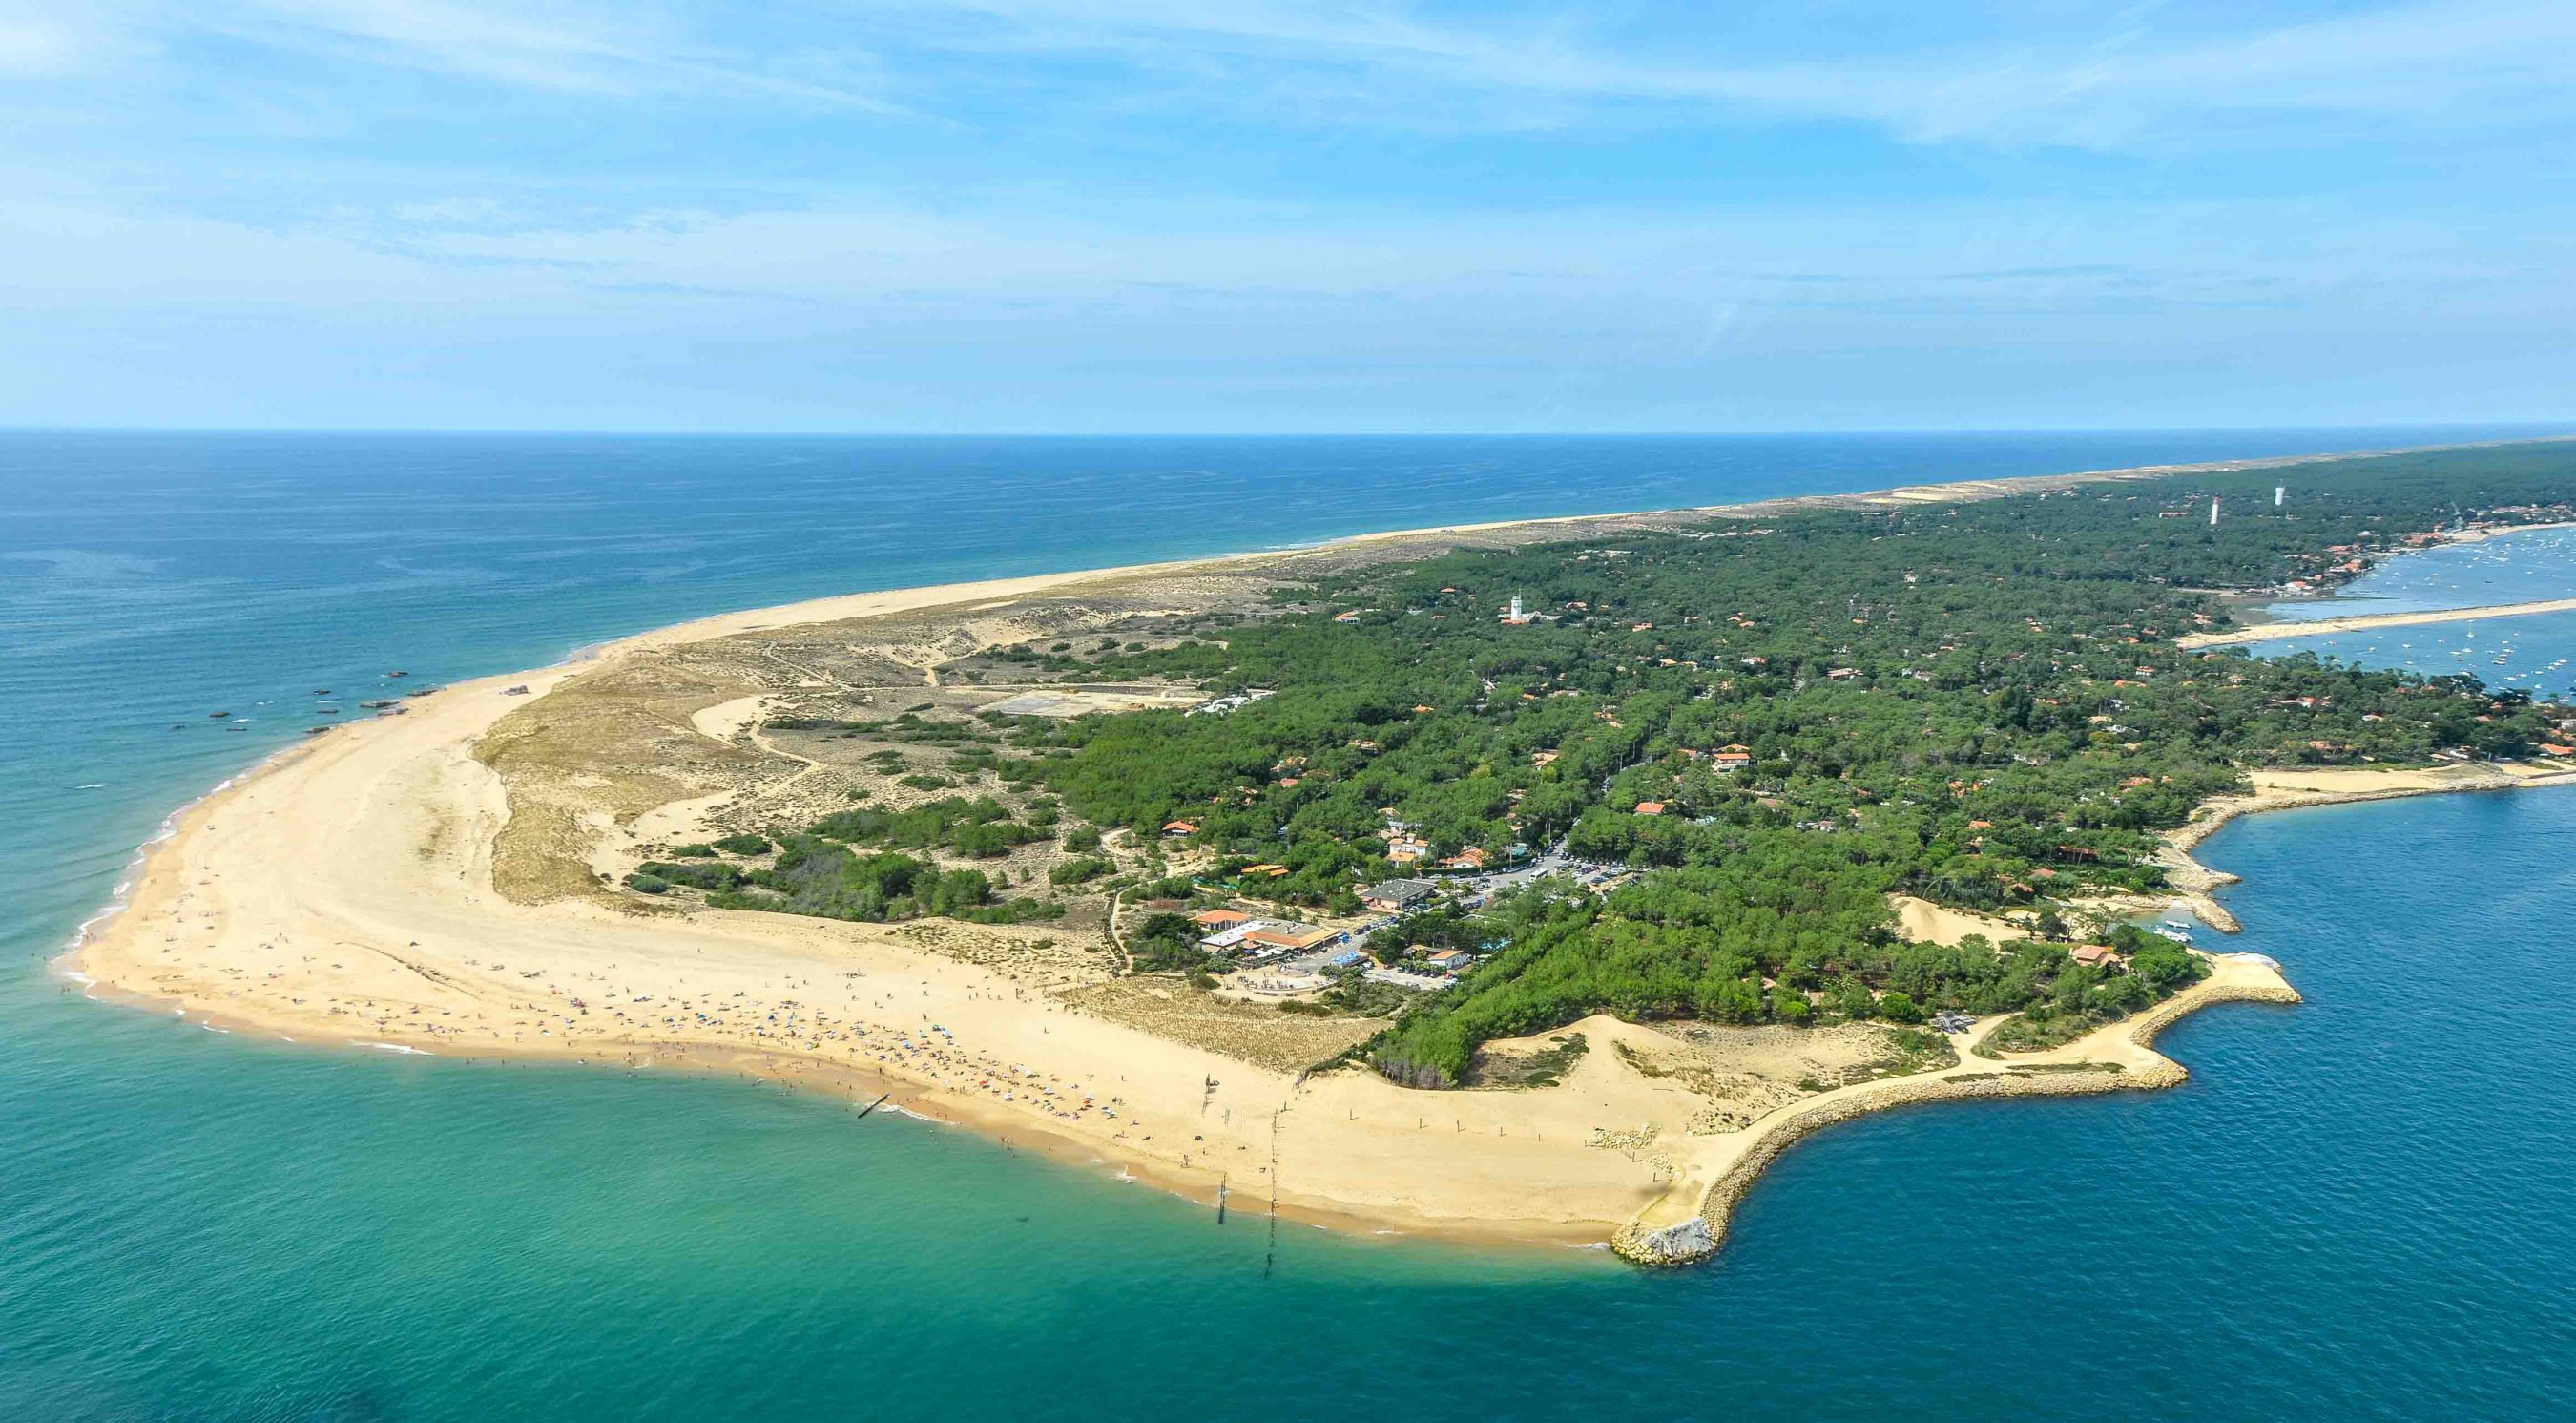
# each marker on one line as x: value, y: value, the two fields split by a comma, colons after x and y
x: 1092, y: 215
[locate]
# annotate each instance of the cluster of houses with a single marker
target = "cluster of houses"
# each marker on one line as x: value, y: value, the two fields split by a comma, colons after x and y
x: 1295, y: 958
x: 1447, y: 961
x: 1733, y: 756
x: 1405, y: 846
x: 1233, y: 931
x: 2349, y: 560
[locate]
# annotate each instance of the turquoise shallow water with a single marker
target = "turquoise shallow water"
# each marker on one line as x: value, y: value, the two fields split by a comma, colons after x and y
x: 2358, y: 1208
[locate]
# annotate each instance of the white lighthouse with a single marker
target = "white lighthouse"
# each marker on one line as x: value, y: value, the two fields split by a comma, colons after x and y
x: 2277, y: 492
x: 2213, y: 513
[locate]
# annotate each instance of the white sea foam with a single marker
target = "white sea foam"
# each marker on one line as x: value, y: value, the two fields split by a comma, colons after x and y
x: 119, y: 897
x: 917, y: 1116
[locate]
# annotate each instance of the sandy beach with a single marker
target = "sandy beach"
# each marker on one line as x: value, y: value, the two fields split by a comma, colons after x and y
x: 2276, y: 632
x: 345, y: 890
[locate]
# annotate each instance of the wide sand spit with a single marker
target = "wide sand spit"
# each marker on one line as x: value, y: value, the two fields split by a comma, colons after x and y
x: 344, y: 892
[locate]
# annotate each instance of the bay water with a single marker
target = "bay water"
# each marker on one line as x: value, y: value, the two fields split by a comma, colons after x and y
x: 2532, y: 652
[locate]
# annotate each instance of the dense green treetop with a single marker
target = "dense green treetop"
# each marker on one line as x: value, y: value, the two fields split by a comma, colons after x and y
x: 1777, y: 722
x: 1980, y: 702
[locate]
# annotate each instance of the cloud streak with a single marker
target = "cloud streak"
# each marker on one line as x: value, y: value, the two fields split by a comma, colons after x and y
x: 611, y: 53
x: 690, y: 208
x: 2123, y: 85
x: 2120, y: 83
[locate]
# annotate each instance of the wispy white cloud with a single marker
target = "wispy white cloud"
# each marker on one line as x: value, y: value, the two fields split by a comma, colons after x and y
x: 2426, y: 64
x: 2121, y: 84
x: 613, y: 51
x: 1624, y: 318
x: 1957, y: 256
x: 2136, y: 77
x: 1224, y: 190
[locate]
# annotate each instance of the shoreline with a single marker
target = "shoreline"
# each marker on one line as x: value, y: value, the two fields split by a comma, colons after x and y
x: 414, y: 811
x: 2268, y: 626
x: 2241, y: 978
x: 2288, y: 629
x: 901, y: 1096
x: 157, y: 892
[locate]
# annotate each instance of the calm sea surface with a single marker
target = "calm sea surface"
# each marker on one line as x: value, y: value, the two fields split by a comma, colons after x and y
x: 2534, y: 653
x: 2360, y: 1208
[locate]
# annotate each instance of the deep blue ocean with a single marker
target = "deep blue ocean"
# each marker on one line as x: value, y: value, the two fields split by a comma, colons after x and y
x: 2363, y: 1207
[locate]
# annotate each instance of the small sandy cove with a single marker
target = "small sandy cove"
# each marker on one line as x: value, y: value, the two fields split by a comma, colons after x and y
x: 343, y: 891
